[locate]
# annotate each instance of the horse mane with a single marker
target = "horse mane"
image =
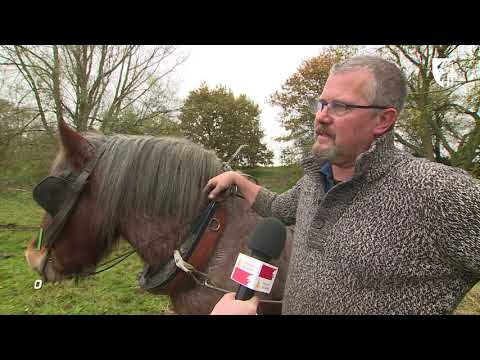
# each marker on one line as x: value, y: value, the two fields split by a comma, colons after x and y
x: 150, y: 177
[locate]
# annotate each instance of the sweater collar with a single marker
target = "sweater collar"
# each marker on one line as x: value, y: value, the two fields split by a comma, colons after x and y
x: 370, y: 165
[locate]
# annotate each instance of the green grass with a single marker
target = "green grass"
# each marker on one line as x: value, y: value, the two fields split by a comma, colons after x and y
x: 115, y: 291
x: 470, y: 304
x: 277, y: 179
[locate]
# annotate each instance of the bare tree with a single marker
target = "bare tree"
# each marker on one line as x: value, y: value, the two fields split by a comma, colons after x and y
x: 92, y: 85
x: 440, y: 123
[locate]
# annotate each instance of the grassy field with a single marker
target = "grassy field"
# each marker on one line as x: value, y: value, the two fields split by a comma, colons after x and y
x: 112, y: 292
x: 115, y: 291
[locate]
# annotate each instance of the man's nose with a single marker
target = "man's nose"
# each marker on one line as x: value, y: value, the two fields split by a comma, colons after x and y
x: 322, y: 117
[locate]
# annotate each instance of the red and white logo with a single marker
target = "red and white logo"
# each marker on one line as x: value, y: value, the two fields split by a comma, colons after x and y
x: 254, y: 274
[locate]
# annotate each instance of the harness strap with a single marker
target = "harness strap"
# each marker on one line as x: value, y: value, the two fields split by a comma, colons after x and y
x: 198, y: 248
x: 55, y: 227
x: 202, y: 252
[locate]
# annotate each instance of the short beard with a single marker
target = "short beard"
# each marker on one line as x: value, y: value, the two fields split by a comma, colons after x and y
x: 334, y: 155
x: 323, y: 155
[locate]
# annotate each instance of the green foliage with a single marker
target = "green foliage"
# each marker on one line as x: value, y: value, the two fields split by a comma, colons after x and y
x: 221, y: 122
x: 26, y: 149
x: 27, y: 159
x: 129, y: 122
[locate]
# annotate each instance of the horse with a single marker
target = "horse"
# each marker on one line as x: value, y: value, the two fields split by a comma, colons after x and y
x: 149, y: 191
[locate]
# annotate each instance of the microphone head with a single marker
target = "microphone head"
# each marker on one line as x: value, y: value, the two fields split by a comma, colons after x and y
x: 268, y: 238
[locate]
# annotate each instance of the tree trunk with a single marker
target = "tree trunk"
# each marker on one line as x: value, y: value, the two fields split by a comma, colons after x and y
x: 426, y: 131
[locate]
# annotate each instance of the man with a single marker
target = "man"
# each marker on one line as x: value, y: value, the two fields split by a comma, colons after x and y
x: 377, y: 230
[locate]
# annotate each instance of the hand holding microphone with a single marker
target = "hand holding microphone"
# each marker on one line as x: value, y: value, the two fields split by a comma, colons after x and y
x: 266, y: 243
x: 228, y: 305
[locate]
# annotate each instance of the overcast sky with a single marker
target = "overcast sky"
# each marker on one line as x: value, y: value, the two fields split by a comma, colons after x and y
x: 254, y: 70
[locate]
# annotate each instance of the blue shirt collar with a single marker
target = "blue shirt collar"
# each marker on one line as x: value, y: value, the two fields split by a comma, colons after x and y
x: 327, y: 172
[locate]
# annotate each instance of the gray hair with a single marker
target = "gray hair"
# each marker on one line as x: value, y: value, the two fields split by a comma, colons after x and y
x: 389, y: 85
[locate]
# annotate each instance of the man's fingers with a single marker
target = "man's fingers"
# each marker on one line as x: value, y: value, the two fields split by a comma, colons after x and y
x: 213, y: 187
x: 210, y: 185
x: 216, y: 191
x: 217, y: 185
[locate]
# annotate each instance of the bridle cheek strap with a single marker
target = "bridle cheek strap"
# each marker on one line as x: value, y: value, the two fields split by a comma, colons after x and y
x: 52, y: 231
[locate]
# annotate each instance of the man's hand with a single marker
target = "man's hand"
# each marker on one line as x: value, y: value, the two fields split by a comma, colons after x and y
x: 228, y: 305
x: 218, y: 184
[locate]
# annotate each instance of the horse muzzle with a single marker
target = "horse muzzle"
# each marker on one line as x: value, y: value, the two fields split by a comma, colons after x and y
x: 36, y: 258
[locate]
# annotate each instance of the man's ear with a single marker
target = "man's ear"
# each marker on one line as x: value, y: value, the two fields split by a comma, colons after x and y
x: 78, y: 150
x: 386, y: 120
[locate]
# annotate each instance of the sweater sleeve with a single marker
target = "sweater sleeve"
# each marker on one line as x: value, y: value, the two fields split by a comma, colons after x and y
x: 282, y: 206
x: 459, y: 205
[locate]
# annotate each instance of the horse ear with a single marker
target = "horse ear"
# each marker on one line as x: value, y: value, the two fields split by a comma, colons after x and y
x: 78, y: 150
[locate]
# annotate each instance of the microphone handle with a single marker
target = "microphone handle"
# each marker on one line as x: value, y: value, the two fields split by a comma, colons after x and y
x: 244, y: 293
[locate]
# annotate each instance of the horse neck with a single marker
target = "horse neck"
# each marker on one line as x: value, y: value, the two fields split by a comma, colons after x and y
x: 156, y: 239
x: 153, y: 239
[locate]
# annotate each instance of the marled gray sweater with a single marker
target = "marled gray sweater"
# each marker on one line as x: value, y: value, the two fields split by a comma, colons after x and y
x: 401, y: 237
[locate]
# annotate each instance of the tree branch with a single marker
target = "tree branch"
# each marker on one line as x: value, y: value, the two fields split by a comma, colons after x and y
x: 402, y: 141
x: 411, y: 59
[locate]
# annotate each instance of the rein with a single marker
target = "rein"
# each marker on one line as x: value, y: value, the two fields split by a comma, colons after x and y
x: 121, y: 257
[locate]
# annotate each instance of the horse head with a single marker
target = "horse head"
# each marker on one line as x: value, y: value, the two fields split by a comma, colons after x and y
x: 74, y: 250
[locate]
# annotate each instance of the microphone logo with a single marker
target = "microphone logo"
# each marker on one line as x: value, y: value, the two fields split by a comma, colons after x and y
x: 254, y: 274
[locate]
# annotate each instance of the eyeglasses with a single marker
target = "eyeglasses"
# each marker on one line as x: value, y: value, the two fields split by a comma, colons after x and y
x: 338, y: 108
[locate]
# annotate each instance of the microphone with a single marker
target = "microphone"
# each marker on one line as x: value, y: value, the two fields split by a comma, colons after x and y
x: 266, y: 243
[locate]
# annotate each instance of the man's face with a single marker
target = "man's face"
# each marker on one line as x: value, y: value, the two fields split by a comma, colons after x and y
x: 341, y: 139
